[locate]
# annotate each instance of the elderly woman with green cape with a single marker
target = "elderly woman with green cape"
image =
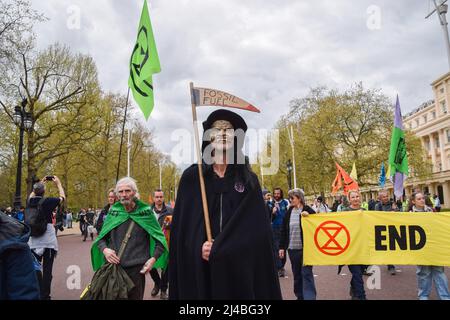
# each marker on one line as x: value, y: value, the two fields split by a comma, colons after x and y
x: 132, y: 243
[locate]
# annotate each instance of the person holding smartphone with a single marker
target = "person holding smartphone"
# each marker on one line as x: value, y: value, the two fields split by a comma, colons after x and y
x: 45, y: 247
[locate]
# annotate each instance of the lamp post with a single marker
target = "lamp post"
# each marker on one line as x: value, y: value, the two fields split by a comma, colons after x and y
x: 441, y: 10
x: 24, y: 120
x: 289, y: 170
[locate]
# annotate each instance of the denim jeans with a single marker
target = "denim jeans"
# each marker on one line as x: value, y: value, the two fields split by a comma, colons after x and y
x: 276, y: 247
x: 357, y: 284
x: 304, y: 286
x: 425, y: 276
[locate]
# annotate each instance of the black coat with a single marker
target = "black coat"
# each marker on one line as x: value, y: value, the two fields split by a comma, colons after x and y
x: 284, y: 241
x: 165, y: 211
x: 241, y: 263
x: 102, y: 217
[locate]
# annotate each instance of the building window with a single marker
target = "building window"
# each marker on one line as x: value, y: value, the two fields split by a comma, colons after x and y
x: 417, y: 123
x: 441, y: 90
x: 425, y: 119
x: 410, y: 126
x: 427, y: 145
x: 448, y: 135
x: 444, y: 107
x: 436, y: 142
x: 433, y: 115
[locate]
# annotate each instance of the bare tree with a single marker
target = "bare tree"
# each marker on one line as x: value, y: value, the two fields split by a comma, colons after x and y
x: 60, y: 88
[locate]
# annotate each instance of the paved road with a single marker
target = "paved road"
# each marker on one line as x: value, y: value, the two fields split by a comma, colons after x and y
x: 74, y: 254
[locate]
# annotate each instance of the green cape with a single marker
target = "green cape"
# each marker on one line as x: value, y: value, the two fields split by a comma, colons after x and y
x: 143, y: 215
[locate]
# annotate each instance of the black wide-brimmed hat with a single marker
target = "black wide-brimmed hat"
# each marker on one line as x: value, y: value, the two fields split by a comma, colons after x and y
x: 222, y: 114
x: 236, y: 120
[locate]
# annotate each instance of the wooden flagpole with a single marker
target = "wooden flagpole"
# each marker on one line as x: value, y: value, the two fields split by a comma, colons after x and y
x: 199, y: 163
x: 291, y: 138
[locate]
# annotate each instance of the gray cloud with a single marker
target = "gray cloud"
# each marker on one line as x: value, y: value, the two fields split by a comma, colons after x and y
x: 267, y: 52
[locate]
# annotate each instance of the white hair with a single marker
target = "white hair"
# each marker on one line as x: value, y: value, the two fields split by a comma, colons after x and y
x: 126, y: 181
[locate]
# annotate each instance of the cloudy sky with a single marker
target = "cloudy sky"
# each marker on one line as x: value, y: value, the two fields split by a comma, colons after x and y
x: 267, y: 52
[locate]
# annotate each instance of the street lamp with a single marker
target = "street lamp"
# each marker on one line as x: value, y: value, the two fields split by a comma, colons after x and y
x: 24, y: 120
x: 289, y: 170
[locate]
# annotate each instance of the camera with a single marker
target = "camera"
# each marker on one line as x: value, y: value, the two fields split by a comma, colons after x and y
x: 49, y: 178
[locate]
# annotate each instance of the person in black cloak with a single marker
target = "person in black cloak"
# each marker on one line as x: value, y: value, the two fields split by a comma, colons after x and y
x: 239, y: 263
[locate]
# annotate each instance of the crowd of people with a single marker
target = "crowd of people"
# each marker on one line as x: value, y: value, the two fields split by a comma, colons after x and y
x: 237, y: 251
x: 288, y: 215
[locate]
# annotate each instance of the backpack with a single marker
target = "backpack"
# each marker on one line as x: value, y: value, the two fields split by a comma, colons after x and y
x: 35, y: 218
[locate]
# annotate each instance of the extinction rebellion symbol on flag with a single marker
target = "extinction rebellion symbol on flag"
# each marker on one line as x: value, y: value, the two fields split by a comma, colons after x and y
x: 332, y: 238
x: 401, y: 151
x: 139, y: 58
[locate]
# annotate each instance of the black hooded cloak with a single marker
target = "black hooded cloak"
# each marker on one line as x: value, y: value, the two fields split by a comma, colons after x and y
x: 241, y: 263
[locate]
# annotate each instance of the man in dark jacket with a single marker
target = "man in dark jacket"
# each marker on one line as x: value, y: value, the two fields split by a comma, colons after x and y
x: 386, y: 205
x: 161, y: 211
x: 102, y: 216
x: 18, y: 280
x: 239, y: 264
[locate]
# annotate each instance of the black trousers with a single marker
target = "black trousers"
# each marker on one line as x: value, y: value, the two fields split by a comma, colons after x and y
x: 45, y: 277
x: 163, y: 281
x: 137, y: 293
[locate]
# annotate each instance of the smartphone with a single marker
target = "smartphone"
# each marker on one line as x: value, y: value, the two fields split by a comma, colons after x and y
x: 49, y: 178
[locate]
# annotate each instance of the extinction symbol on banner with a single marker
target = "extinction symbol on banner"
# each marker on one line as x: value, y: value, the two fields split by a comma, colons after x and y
x: 332, y: 238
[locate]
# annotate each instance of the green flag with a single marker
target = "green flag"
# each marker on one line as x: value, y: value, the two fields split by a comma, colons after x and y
x: 143, y: 63
x: 398, y: 159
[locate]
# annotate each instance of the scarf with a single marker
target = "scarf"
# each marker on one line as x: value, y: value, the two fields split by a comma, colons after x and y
x: 142, y: 215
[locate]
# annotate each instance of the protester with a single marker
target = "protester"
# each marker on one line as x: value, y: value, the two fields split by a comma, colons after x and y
x: 344, y: 204
x: 161, y: 212
x: 385, y: 205
x: 65, y: 219
x: 336, y: 203
x: 45, y: 247
x: 320, y: 205
x: 89, y: 224
x: 19, y: 214
x: 146, y: 247
x: 427, y: 274
x: 69, y: 219
x: 104, y: 213
x: 82, y: 221
x: 372, y: 203
x: 357, y: 291
x: 239, y: 263
x: 278, y: 207
x: 292, y: 241
x: 18, y: 281
x: 437, y: 203
x: 268, y: 201
x: 428, y: 201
